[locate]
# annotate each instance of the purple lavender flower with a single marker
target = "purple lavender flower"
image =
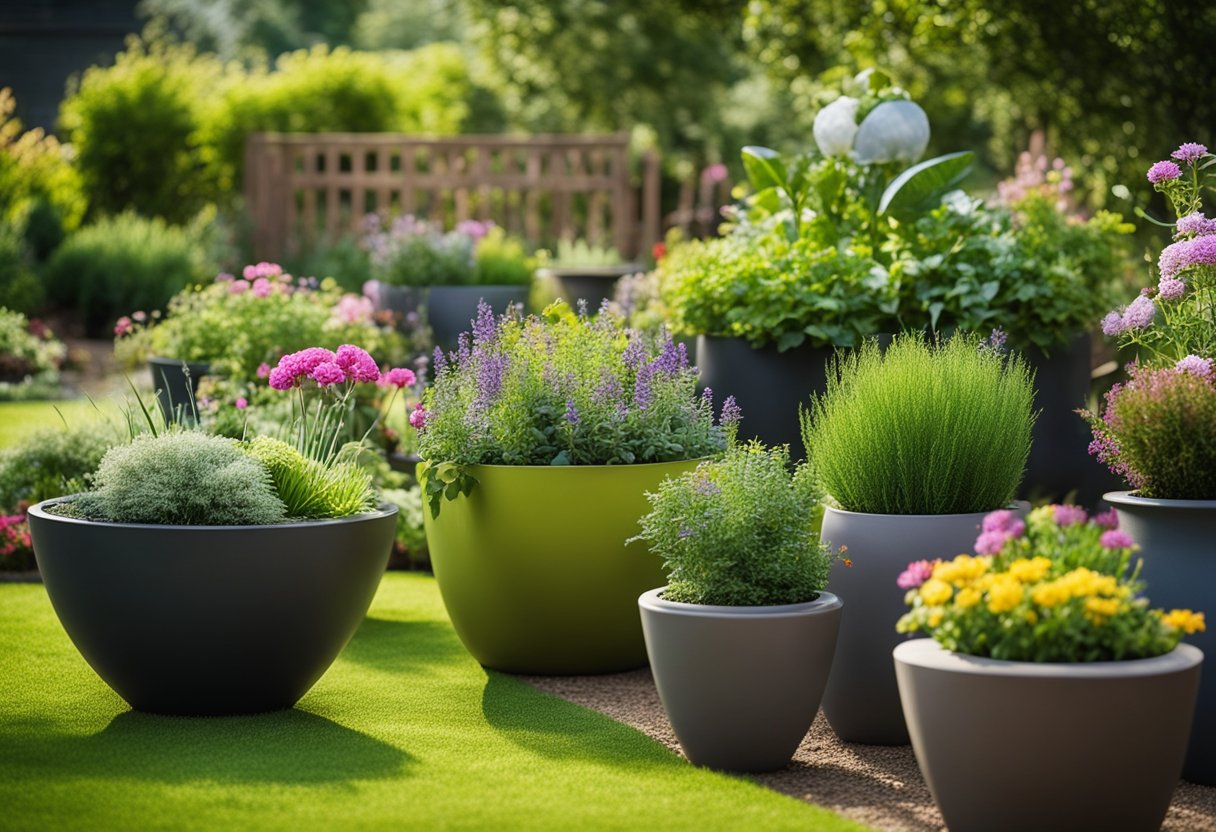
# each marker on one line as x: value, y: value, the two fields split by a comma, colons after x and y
x: 1139, y: 313
x: 1163, y: 172
x: 996, y: 341
x: 643, y: 394
x: 635, y: 352
x: 668, y: 361
x: 463, y: 351
x: 1195, y: 365
x: 731, y: 412
x: 684, y: 533
x: 1185, y: 254
x: 1170, y: 288
x: 571, y: 412
x: 484, y: 328
x: 1189, y: 152
x: 440, y: 361
x: 1112, y: 324
x: 1194, y: 224
x: 491, y: 368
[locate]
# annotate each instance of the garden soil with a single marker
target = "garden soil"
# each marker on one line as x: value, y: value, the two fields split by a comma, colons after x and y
x: 879, y: 786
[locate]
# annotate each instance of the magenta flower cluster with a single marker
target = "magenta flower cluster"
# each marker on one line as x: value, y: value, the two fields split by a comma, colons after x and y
x: 1164, y: 172
x: 1195, y: 224
x: 1136, y: 315
x: 1189, y: 152
x: 997, y: 527
x: 916, y: 574
x: 1196, y: 365
x: 327, y: 368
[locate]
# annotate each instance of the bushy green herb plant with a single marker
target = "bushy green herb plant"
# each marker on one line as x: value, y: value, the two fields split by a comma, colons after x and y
x: 562, y: 389
x: 30, y: 357
x: 502, y: 260
x: 739, y: 531
x: 310, y: 489
x: 181, y: 478
x: 36, y: 172
x: 576, y: 254
x: 123, y: 263
x: 52, y: 462
x: 922, y: 428
x: 1055, y: 588
x: 407, y: 251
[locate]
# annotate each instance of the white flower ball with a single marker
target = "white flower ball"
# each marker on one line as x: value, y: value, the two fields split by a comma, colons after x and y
x: 835, y: 126
x: 893, y: 131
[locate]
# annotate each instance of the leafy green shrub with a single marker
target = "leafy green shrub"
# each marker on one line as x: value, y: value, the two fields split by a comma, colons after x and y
x: 181, y: 478
x: 29, y: 358
x: 122, y: 263
x: 345, y: 260
x: 581, y: 254
x: 20, y: 289
x: 135, y: 127
x: 51, y: 463
x: 310, y: 489
x: 740, y: 531
x: 501, y: 260
x: 922, y: 428
x: 35, y: 171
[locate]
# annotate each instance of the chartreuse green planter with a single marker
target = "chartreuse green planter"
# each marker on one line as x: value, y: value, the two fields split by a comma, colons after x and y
x: 534, y: 570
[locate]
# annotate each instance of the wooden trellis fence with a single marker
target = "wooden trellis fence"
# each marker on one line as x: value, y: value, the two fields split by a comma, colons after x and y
x: 301, y: 187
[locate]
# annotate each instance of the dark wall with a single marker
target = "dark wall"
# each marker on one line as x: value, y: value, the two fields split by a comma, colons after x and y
x: 42, y: 42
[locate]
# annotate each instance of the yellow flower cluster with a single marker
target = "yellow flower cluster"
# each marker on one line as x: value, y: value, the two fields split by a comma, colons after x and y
x: 1185, y: 620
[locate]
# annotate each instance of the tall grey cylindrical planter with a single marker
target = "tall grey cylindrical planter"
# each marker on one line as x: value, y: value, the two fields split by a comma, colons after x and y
x: 1053, y: 747
x: 450, y: 310
x: 741, y: 685
x: 862, y: 699
x: 211, y: 620
x: 1177, y: 541
x: 768, y: 385
x: 176, y: 383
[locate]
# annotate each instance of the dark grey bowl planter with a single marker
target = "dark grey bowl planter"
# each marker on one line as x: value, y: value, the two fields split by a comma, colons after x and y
x: 208, y: 620
x: 741, y: 685
x: 861, y: 702
x: 768, y: 385
x: 1015, y: 746
x: 450, y: 310
x: 1176, y: 540
x: 594, y: 284
x: 176, y: 382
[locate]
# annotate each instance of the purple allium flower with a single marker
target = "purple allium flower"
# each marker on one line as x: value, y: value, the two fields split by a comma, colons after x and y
x: 917, y: 573
x: 1066, y: 515
x: 1116, y: 539
x: 1170, y: 288
x: 1139, y: 313
x: 1195, y: 365
x: 571, y: 412
x: 1189, y: 152
x: 1194, y: 224
x: 327, y: 373
x: 1112, y: 324
x: 731, y: 412
x: 1184, y: 254
x: 1163, y: 172
x: 1108, y: 519
x: 356, y: 364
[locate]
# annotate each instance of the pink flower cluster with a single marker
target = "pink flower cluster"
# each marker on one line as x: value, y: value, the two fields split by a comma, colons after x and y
x: 398, y: 377
x: 354, y: 309
x: 1186, y: 254
x: 1067, y: 515
x: 1116, y: 539
x: 998, y: 527
x: 1195, y: 365
x: 1164, y: 172
x: 1195, y: 224
x: 14, y: 534
x: 327, y: 368
x: 917, y: 573
x: 1136, y: 315
x: 418, y: 417
x: 262, y: 269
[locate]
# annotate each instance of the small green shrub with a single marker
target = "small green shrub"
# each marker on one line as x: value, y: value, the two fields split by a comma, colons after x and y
x: 344, y: 260
x: 181, y: 478
x: 51, y: 463
x: 582, y: 254
x: 123, y: 263
x: 20, y: 289
x: 310, y: 489
x: 29, y: 358
x: 35, y: 170
x: 740, y: 531
x: 501, y: 260
x: 923, y: 428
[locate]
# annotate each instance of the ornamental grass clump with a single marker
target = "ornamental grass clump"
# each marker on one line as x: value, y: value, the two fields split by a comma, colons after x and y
x: 1060, y: 587
x: 739, y: 531
x: 922, y: 428
x: 562, y: 389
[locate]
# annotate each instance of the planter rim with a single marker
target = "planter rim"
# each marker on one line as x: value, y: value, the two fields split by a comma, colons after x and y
x: 927, y: 653
x: 1023, y: 505
x: 652, y: 600
x: 38, y: 510
x: 1127, y: 498
x: 177, y: 362
x: 592, y: 271
x: 453, y: 285
x: 599, y: 467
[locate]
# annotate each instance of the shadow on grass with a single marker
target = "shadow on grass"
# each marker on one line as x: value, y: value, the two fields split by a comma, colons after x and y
x: 558, y: 729
x: 288, y: 747
x: 403, y: 646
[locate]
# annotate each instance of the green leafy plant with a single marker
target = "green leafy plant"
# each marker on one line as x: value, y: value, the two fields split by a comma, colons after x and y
x: 20, y: 288
x: 739, y: 531
x: 180, y: 478
x: 52, y: 462
x: 580, y: 254
x: 502, y: 260
x: 30, y: 356
x: 1056, y: 588
x: 922, y: 428
x: 309, y: 488
x: 36, y: 173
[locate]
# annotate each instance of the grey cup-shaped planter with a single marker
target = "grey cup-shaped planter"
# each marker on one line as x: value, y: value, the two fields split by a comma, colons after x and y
x: 861, y: 702
x: 741, y: 685
x: 1177, y: 540
x: 211, y: 620
x: 450, y: 310
x: 1013, y: 746
x: 176, y: 383
x: 593, y: 284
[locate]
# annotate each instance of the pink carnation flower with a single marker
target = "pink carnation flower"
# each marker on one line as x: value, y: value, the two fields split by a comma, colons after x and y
x: 263, y: 370
x: 241, y: 403
x: 262, y: 287
x: 418, y: 417
x: 356, y: 363
x: 398, y: 377
x: 1108, y: 519
x: 1069, y: 515
x: 916, y: 574
x: 1116, y: 539
x: 282, y: 378
x: 327, y: 373
x: 238, y: 287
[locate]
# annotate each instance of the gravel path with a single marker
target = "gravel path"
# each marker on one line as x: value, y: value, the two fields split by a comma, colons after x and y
x: 879, y: 786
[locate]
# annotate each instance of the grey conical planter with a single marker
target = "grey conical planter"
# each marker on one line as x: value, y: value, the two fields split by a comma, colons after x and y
x: 741, y: 685
x: 1177, y: 540
x: 450, y: 310
x: 593, y: 284
x: 1016, y: 746
x: 861, y: 702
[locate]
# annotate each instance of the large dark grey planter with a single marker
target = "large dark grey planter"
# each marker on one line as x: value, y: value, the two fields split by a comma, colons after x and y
x: 861, y: 702
x: 1177, y: 541
x: 204, y: 620
x: 741, y: 685
x: 450, y: 310
x: 768, y: 385
x: 1014, y: 746
x: 1059, y: 461
x: 175, y: 382
x: 594, y: 284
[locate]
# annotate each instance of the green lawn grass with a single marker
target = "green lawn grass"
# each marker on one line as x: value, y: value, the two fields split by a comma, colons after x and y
x: 405, y: 731
x: 18, y: 419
